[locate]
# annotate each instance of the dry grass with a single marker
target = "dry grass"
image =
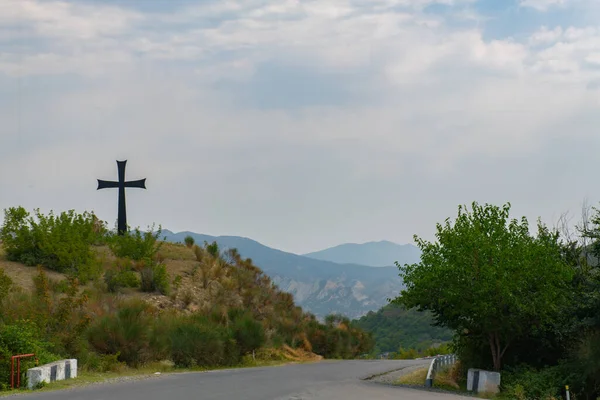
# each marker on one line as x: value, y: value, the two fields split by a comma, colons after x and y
x: 447, y: 379
x: 417, y: 377
x: 22, y: 275
x: 177, y: 251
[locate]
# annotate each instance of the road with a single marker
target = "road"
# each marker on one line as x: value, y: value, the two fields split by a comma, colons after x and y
x: 332, y: 380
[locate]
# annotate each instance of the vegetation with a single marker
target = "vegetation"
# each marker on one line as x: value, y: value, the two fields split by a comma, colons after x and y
x: 200, y: 308
x: 394, y: 327
x: 189, y: 241
x: 60, y: 243
x: 523, y: 304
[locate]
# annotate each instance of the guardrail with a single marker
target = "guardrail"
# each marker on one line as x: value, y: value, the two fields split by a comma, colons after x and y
x: 437, y: 363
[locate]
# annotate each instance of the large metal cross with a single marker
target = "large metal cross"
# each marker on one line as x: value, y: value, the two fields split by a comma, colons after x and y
x: 122, y: 184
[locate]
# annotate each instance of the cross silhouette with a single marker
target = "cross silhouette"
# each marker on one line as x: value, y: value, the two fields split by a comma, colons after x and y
x: 121, y: 185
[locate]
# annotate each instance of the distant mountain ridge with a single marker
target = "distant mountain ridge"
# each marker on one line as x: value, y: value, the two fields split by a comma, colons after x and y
x: 373, y: 254
x: 321, y: 287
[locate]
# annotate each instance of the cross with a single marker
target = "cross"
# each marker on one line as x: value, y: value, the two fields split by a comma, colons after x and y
x: 122, y: 184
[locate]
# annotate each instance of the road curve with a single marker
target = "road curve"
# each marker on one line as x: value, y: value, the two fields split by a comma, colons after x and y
x: 332, y: 380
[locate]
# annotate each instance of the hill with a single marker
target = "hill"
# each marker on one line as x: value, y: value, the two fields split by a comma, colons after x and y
x: 394, y: 327
x: 373, y: 254
x: 71, y: 289
x: 320, y: 287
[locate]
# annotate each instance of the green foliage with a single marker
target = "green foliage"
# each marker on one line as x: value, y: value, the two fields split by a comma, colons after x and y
x: 135, y: 245
x: 248, y: 333
x: 242, y: 313
x: 22, y: 337
x: 120, y: 276
x: 189, y: 241
x: 5, y: 285
x: 338, y: 338
x: 197, y: 341
x: 527, y: 383
x: 394, y: 326
x: 60, y: 243
x: 127, y: 333
x: 487, y: 278
x: 155, y: 278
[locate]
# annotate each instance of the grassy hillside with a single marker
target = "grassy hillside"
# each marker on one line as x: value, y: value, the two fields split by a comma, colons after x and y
x: 320, y: 287
x: 393, y: 327
x: 69, y: 288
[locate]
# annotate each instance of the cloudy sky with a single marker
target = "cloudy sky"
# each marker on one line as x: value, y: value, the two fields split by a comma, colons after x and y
x: 301, y: 123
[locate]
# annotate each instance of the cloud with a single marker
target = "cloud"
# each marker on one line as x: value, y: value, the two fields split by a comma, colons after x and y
x: 544, y: 5
x: 343, y: 117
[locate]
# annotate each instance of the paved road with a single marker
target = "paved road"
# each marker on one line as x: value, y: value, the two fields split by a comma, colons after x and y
x: 332, y: 380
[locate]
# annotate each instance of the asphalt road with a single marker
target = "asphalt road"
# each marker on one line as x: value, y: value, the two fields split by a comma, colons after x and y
x: 332, y: 380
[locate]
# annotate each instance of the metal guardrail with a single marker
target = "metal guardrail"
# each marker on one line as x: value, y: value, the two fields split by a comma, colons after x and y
x: 436, y: 364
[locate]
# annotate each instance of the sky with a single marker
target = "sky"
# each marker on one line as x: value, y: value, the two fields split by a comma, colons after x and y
x: 302, y: 124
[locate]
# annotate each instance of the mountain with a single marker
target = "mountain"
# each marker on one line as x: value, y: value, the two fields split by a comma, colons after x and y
x: 373, y: 254
x: 321, y: 287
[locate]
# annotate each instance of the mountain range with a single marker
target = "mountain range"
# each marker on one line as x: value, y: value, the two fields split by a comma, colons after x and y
x: 321, y: 286
x: 372, y: 254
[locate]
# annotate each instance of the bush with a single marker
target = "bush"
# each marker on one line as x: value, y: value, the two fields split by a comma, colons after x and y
x: 121, y: 276
x: 155, y: 278
x: 189, y: 241
x: 525, y: 382
x: 248, y: 333
x: 126, y: 333
x: 5, y: 285
x: 22, y: 337
x: 135, y: 245
x: 61, y: 243
x: 197, y: 341
x: 102, y: 363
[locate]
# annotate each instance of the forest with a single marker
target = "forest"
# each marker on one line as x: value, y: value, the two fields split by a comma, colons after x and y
x: 396, y: 328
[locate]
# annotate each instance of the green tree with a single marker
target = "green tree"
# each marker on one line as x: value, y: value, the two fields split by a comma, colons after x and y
x: 487, y: 278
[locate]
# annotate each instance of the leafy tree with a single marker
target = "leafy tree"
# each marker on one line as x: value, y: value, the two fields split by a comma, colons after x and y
x: 487, y: 278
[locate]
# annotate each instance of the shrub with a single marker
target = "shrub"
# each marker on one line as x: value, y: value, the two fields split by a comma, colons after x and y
x: 155, y: 278
x: 121, y: 276
x: 126, y: 333
x: 61, y: 243
x: 135, y: 245
x: 248, y: 333
x: 101, y: 362
x: 22, y: 337
x: 528, y: 383
x: 189, y: 241
x: 5, y: 285
x: 197, y: 341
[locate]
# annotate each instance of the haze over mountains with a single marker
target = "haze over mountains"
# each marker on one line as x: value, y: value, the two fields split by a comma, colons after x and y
x: 322, y: 286
x: 372, y: 254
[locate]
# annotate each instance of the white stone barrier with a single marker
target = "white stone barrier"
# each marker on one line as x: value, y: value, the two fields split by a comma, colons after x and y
x: 56, y: 371
x: 481, y: 381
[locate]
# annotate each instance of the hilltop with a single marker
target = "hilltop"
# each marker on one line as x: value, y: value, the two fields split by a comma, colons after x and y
x: 373, y: 254
x: 321, y: 287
